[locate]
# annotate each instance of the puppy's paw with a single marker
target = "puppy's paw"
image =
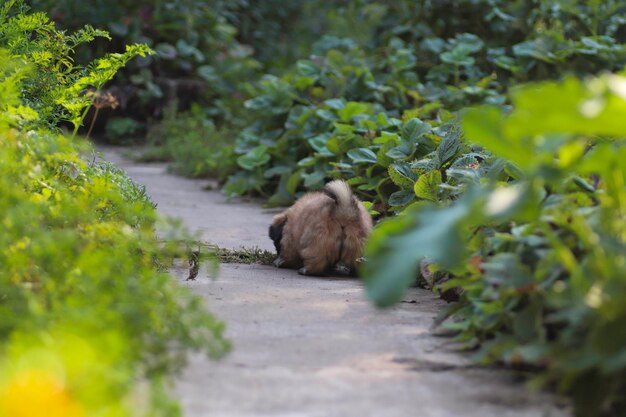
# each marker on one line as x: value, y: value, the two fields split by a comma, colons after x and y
x: 342, y: 269
x: 279, y: 262
x: 302, y: 271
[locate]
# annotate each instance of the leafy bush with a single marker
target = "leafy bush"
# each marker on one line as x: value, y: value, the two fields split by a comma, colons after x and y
x: 56, y: 89
x: 83, y: 296
x: 332, y: 115
x: 543, y: 273
x: 191, y: 140
x: 121, y: 129
x: 197, y: 56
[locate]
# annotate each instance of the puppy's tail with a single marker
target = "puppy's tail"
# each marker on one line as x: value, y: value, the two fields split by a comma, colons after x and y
x: 340, y: 192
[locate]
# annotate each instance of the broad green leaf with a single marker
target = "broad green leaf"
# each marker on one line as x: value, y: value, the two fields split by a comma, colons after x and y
x: 429, y: 163
x: 168, y: 51
x: 277, y: 170
x: 307, y: 68
x: 484, y: 125
x: 402, y: 175
x: 314, y: 180
x: 413, y: 129
x: 427, y: 186
x: 336, y: 103
x: 570, y: 107
x: 537, y: 48
x: 381, y: 156
x: 254, y: 158
x: 353, y: 109
x: 449, y: 146
x: 458, y: 56
x: 344, y: 128
x: 319, y: 142
x: 362, y: 155
x: 386, y: 137
x: 326, y: 115
x: 398, y: 245
x: 465, y: 161
x: 402, y: 151
x: 307, y: 162
x: 401, y: 198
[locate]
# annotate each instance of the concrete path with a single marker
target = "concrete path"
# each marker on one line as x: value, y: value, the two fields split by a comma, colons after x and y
x: 314, y: 347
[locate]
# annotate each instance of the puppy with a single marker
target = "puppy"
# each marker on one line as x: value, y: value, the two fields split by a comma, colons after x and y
x: 322, y: 231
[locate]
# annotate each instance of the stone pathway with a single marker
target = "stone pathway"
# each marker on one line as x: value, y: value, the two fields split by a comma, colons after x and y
x: 314, y: 347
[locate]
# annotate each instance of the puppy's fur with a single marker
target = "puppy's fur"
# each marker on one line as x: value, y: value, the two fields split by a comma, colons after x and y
x: 322, y: 231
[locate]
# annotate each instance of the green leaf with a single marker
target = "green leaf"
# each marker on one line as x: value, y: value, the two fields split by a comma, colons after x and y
x: 429, y: 163
x: 402, y: 175
x: 485, y: 126
x: 344, y: 128
x: 307, y: 162
x: 402, y: 151
x: 398, y: 245
x: 401, y: 198
x: 381, y: 156
x: 254, y: 158
x: 353, y: 109
x: 314, y: 180
x: 362, y: 155
x: 427, y: 186
x: 569, y: 106
x: 166, y: 51
x: 307, y: 68
x: 414, y: 129
x: 536, y: 48
x: 319, y: 142
x: 326, y: 115
x: 458, y: 56
x: 449, y: 146
x: 336, y: 103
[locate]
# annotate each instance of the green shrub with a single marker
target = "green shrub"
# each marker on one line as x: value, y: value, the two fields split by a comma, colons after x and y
x: 197, y: 54
x: 192, y: 142
x: 122, y: 129
x: 57, y: 88
x: 539, y: 258
x: 335, y: 114
x: 83, y: 296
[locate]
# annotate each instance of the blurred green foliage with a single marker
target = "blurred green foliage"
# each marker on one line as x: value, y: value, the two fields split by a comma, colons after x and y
x: 193, y: 144
x: 84, y: 296
x: 540, y: 258
x: 197, y: 56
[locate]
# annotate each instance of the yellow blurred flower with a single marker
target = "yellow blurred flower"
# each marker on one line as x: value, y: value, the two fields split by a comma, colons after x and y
x: 37, y: 393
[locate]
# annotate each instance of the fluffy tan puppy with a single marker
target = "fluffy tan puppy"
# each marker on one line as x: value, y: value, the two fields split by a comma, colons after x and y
x: 323, y: 231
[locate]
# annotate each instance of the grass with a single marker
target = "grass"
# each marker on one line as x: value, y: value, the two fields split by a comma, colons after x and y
x: 241, y: 255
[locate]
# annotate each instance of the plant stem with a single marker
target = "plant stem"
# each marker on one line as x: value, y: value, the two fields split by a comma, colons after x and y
x: 93, y: 122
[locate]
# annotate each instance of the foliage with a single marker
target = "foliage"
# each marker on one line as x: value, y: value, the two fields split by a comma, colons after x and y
x: 543, y: 274
x: 119, y: 129
x: 342, y: 112
x: 56, y: 88
x: 83, y: 296
x: 191, y: 140
x: 197, y: 54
